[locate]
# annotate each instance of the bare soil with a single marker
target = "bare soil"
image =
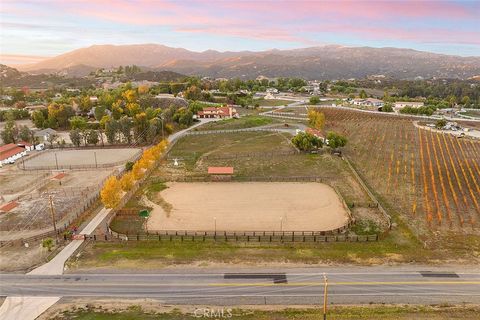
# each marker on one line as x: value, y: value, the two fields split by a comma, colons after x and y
x: 80, y: 157
x: 289, y: 206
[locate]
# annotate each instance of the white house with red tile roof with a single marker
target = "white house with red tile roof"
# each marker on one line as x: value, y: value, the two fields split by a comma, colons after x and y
x: 220, y: 112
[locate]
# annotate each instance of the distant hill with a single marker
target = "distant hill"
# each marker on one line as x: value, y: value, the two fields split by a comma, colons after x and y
x: 326, y: 62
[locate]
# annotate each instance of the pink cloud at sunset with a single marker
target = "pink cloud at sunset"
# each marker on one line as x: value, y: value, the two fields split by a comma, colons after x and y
x: 251, y: 25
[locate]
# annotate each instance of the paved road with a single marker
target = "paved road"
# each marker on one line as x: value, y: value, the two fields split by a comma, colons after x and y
x: 351, y: 285
x: 27, y: 305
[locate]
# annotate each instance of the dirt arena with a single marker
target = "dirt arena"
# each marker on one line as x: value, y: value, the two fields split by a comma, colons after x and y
x: 249, y: 206
x: 67, y: 158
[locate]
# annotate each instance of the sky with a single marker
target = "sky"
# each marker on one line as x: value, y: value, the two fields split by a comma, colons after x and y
x: 32, y: 30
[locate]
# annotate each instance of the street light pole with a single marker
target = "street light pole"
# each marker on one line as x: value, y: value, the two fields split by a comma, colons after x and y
x: 325, y: 293
x: 95, y: 155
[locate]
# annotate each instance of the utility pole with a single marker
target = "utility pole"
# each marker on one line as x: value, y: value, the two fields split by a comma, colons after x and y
x: 56, y: 160
x: 52, y: 211
x: 163, y: 133
x: 95, y: 155
x: 325, y: 293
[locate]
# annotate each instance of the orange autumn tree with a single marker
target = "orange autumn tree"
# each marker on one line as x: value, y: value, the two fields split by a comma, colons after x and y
x: 127, y: 181
x: 111, y: 192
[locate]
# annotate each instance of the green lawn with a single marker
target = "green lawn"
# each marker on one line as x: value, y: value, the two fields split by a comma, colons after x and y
x: 375, y: 312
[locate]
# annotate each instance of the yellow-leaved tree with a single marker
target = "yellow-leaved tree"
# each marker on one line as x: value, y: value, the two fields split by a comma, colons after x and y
x: 316, y: 119
x: 137, y: 171
x: 111, y: 192
x: 127, y: 181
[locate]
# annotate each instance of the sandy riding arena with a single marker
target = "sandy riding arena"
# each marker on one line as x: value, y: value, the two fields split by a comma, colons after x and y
x: 249, y: 206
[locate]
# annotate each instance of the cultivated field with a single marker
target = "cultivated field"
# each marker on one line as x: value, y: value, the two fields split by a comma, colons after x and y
x: 249, y: 206
x: 74, y: 158
x: 429, y: 178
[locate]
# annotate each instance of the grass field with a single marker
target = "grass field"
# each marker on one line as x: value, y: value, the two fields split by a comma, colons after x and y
x: 271, y: 103
x: 471, y: 113
x: 249, y: 121
x: 401, y: 246
x: 374, y: 312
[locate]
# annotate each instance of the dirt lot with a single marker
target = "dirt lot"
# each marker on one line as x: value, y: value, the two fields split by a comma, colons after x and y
x: 81, y: 157
x: 70, y: 192
x: 277, y: 206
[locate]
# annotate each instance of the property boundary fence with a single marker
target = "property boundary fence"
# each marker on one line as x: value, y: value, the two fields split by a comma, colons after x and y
x: 370, y: 193
x: 21, y: 164
x: 206, y: 178
x: 252, y: 236
x: 240, y: 155
x: 200, y: 132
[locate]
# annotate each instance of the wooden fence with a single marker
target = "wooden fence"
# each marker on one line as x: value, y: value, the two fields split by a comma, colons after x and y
x: 21, y: 164
x: 244, y: 236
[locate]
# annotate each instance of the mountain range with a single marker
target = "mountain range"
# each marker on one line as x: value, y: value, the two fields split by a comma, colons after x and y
x: 325, y: 62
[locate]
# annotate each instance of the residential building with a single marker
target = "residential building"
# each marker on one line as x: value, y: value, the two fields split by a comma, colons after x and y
x: 220, y: 112
x: 370, y: 102
x: 413, y: 104
x: 44, y: 134
x: 271, y: 90
x: 11, y: 152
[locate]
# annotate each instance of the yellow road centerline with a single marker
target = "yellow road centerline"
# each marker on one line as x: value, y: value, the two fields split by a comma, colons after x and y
x: 250, y: 284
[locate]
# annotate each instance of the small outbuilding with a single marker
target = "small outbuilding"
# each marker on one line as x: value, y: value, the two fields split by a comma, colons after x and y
x: 220, y: 173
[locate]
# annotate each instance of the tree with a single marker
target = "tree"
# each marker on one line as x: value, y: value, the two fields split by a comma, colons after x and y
x: 111, y: 129
x: 99, y: 112
x: 193, y: 93
x: 314, y: 100
x: 316, y: 119
x: 137, y: 171
x: 127, y: 181
x: 92, y: 137
x: 306, y: 141
x: 387, y: 107
x: 38, y: 119
x: 85, y: 104
x: 140, y: 127
x: 10, y: 132
x: 363, y: 94
x: 75, y: 137
x: 440, y: 123
x: 466, y: 101
x: 78, y: 122
x: 336, y: 140
x: 48, y: 243
x: 125, y: 127
x: 58, y: 115
x: 25, y: 134
x: 111, y: 192
x: 52, y: 138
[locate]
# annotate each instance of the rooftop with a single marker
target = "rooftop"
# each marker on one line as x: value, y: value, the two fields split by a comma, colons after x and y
x: 220, y: 170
